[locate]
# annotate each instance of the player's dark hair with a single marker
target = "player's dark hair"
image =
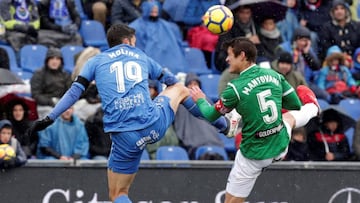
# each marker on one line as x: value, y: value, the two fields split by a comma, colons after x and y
x: 116, y: 33
x: 242, y: 44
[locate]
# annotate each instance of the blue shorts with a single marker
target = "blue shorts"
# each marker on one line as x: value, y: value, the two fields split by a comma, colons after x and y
x: 127, y: 147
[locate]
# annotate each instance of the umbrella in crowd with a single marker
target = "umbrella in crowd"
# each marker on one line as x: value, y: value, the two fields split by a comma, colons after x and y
x: 7, y: 101
x: 346, y: 121
x: 8, y: 78
x: 262, y: 9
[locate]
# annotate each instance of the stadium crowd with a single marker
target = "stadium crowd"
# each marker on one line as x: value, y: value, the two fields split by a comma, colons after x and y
x: 45, y: 43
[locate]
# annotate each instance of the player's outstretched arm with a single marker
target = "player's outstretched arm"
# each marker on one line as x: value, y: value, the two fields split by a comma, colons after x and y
x: 207, y: 110
x: 69, y: 98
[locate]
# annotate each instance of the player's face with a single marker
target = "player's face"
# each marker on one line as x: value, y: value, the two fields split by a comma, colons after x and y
x: 234, y: 62
x: 133, y: 40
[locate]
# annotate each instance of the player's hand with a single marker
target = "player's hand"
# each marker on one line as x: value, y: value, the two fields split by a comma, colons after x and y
x: 40, y: 125
x: 196, y: 93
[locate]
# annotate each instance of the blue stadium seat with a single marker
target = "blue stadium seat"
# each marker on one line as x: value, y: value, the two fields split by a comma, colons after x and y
x: 12, y: 57
x: 350, y: 137
x: 323, y: 103
x: 93, y: 34
x: 32, y: 57
x: 229, y: 143
x: 212, y: 63
x: 211, y: 150
x: 196, y: 62
x: 68, y: 52
x: 171, y: 153
x: 145, y: 155
x: 351, y: 107
x: 209, y: 85
x: 23, y: 74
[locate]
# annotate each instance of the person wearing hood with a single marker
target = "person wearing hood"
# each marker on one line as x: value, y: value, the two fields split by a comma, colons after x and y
x: 305, y: 58
x: 335, y: 77
x: 341, y: 30
x: 65, y: 139
x: 158, y: 38
x: 49, y: 83
x: 284, y: 65
x: 6, y: 137
x: 329, y: 142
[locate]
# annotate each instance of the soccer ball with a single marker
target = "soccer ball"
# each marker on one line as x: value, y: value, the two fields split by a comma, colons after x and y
x: 218, y: 19
x: 6, y: 152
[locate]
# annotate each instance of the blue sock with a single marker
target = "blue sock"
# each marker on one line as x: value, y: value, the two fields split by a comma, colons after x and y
x: 221, y: 124
x: 190, y: 105
x: 123, y: 199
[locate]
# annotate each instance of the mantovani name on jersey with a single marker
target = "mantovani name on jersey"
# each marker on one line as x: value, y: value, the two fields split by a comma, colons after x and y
x: 122, y: 51
x: 258, y: 81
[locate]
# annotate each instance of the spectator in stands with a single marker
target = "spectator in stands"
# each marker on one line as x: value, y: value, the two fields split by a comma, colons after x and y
x: 4, y: 59
x: 340, y: 30
x: 313, y: 15
x: 270, y: 38
x: 98, y: 10
x: 291, y: 21
x: 284, y: 65
x: 243, y: 26
x: 298, y: 147
x: 18, y: 116
x: 328, y: 141
x: 60, y: 23
x: 65, y: 139
x: 99, y: 141
x: 304, y: 57
x: 170, y: 138
x: 335, y: 77
x: 154, y: 33
x: 21, y: 20
x: 7, y: 138
x: 194, y: 132
x: 49, y: 83
x: 125, y: 11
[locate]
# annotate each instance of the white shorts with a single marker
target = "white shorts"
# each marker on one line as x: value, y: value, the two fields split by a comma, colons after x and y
x: 245, y: 171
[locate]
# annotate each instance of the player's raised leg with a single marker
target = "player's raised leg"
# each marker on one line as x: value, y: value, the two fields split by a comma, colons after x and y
x: 309, y: 109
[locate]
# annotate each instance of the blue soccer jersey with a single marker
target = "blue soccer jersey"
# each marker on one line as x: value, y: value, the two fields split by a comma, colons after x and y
x: 121, y: 75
